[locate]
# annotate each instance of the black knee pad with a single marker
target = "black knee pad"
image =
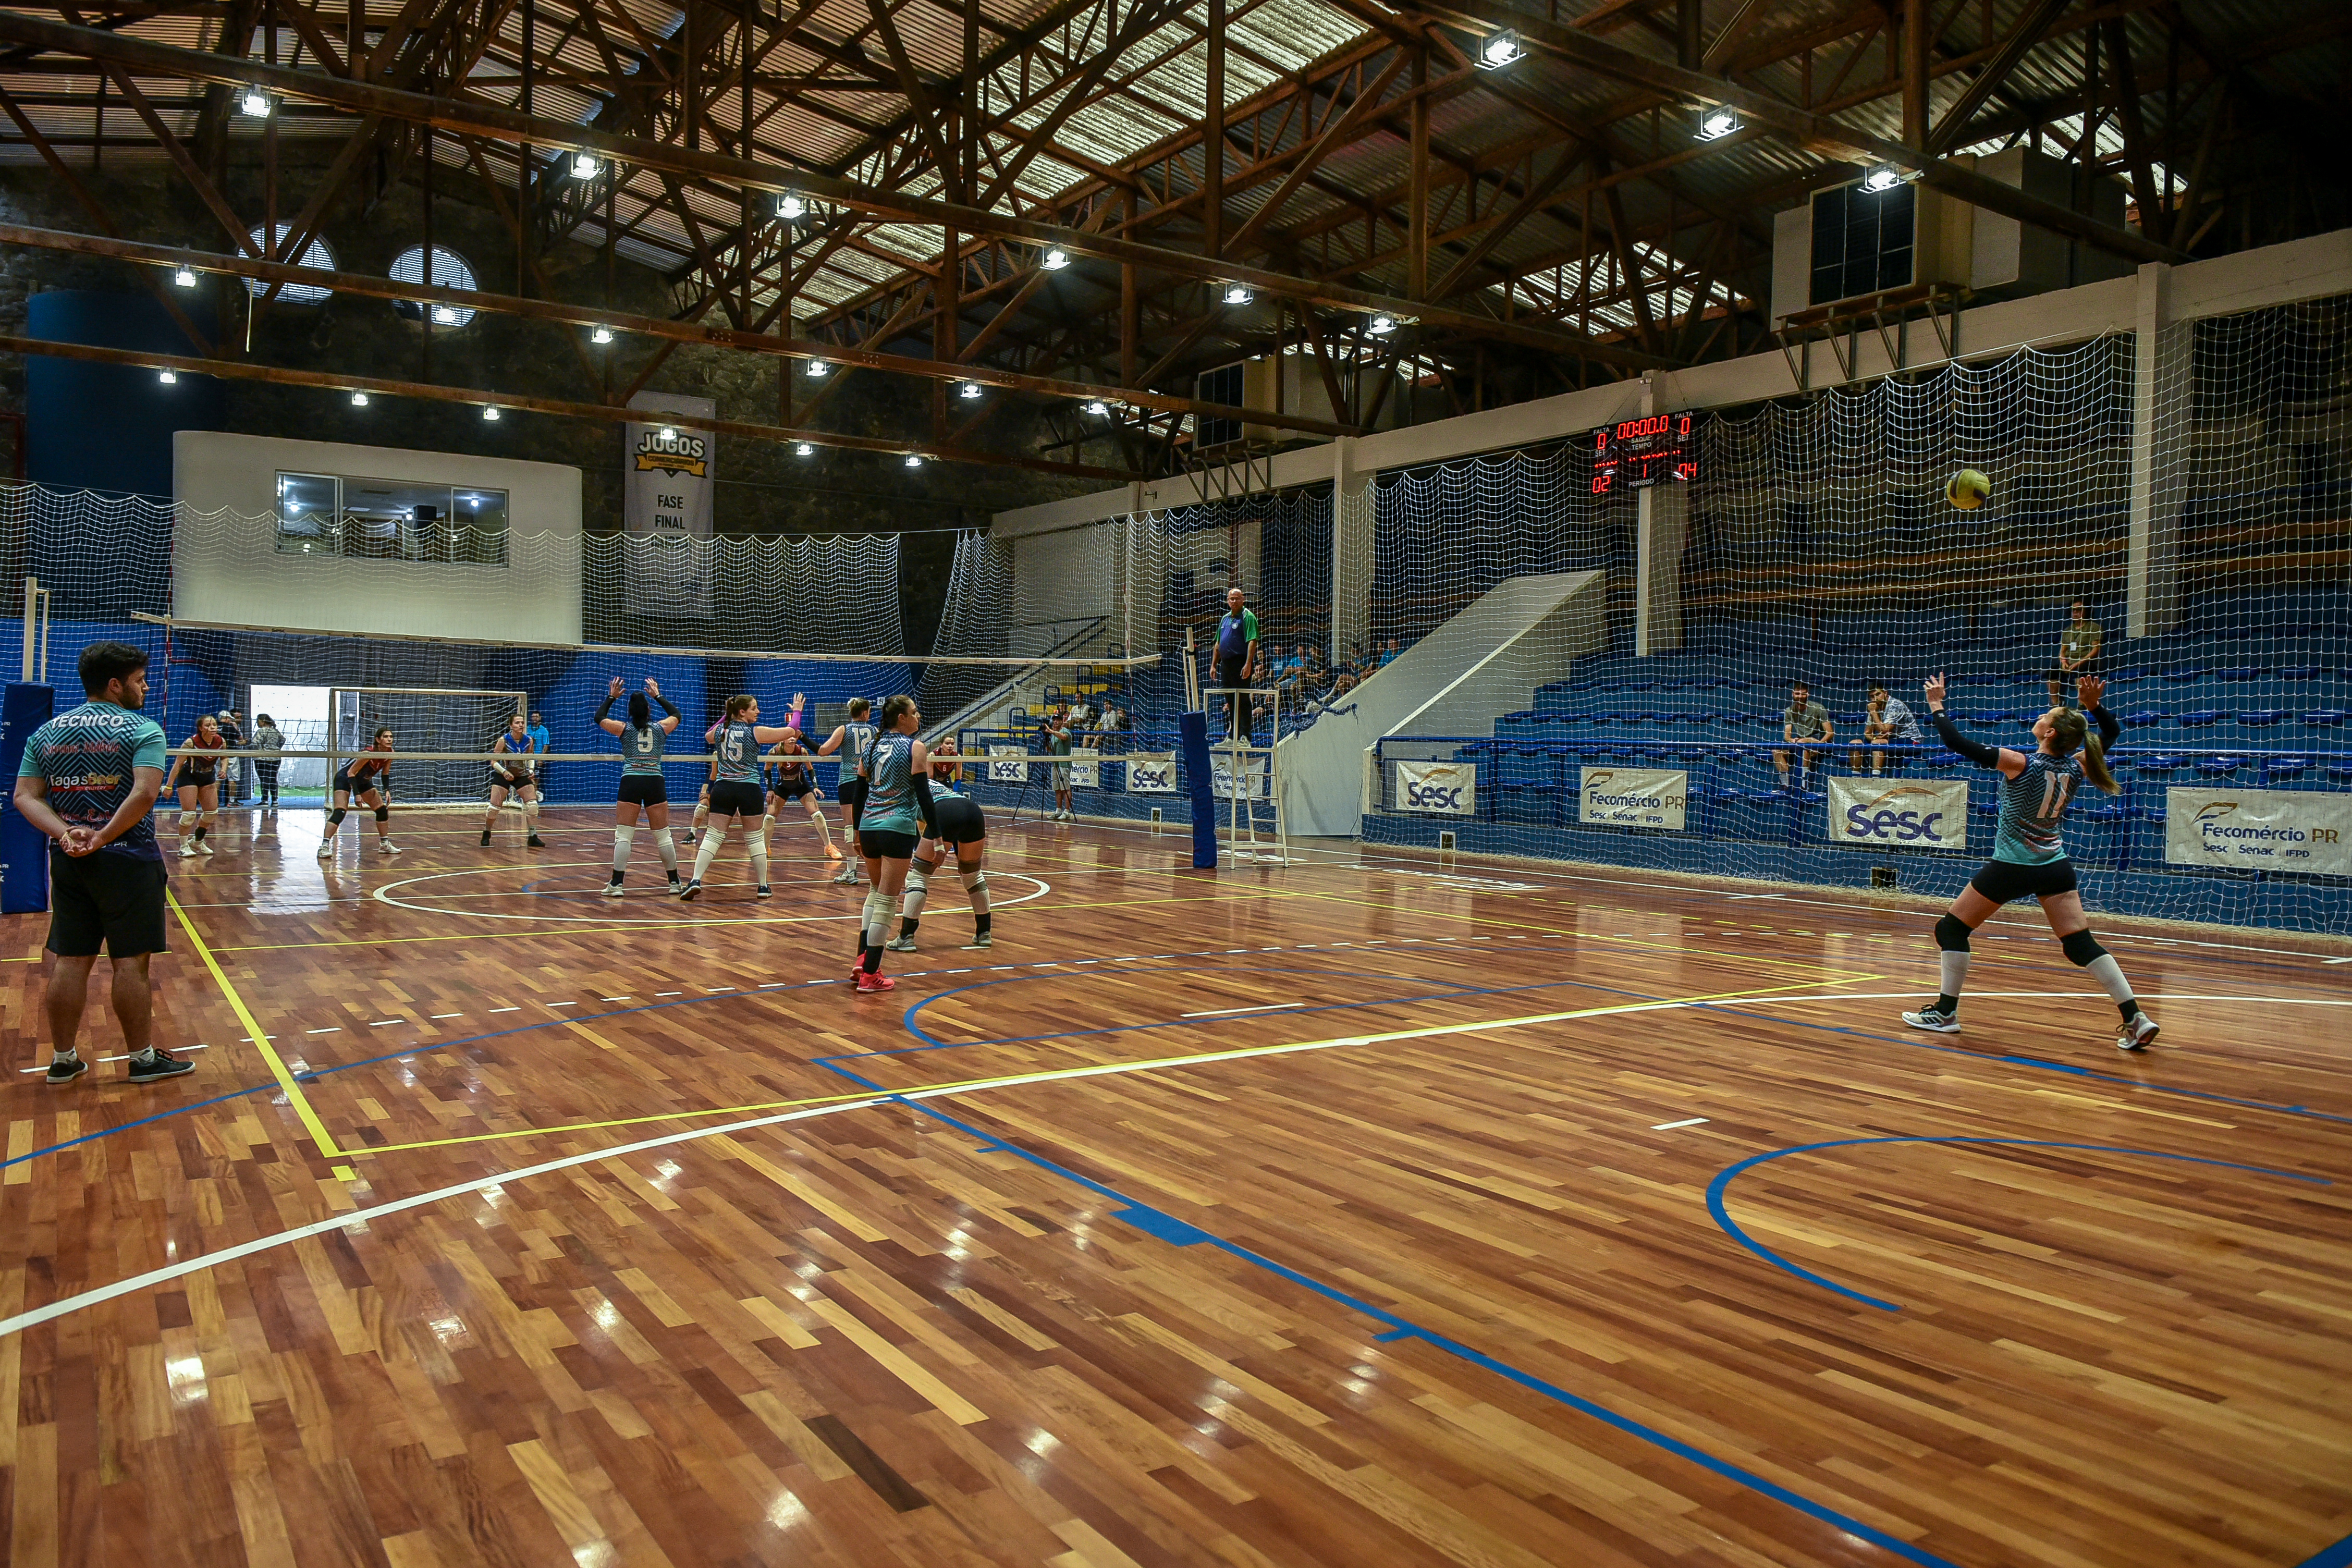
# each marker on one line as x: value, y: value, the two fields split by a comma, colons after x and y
x: 2082, y: 947
x: 1952, y: 934
x: 383, y: 814
x: 335, y: 816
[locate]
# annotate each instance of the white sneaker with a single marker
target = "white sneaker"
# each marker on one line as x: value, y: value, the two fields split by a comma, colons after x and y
x: 900, y: 944
x: 204, y: 846
x: 387, y: 846
x: 846, y: 877
x: 613, y: 888
x: 326, y: 849
x: 2138, y: 1034
x: 187, y: 848
x: 1933, y: 1020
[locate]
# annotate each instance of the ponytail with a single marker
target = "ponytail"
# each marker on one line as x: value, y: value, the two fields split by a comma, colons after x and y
x: 738, y: 706
x: 2070, y: 732
x: 894, y: 708
x: 641, y: 713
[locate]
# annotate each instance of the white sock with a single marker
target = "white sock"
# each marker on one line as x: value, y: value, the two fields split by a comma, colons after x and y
x: 667, y: 849
x: 823, y: 828
x: 530, y: 817
x: 1956, y: 972
x: 760, y: 857
x: 706, y: 853
x: 620, y: 837
x: 2110, y: 976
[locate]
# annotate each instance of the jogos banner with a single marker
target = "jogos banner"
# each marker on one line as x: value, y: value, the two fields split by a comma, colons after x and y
x: 666, y: 477
x: 1634, y: 797
x: 2306, y: 831
x: 1448, y: 787
x: 1899, y: 814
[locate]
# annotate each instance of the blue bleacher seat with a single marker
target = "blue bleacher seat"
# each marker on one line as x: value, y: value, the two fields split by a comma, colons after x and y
x: 2331, y: 717
x: 2203, y: 718
x: 2339, y: 773
x: 2278, y: 769
x: 2220, y: 767
x: 2158, y: 765
x: 2243, y: 672
x: 2260, y: 718
x: 2299, y: 672
x: 2146, y: 716
x: 2182, y: 675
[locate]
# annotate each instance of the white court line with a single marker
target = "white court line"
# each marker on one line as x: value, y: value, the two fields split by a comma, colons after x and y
x: 440, y: 1015
x: 506, y: 1009
x: 386, y: 1023
x: 1670, y: 1126
x: 617, y: 998
x: 335, y: 1029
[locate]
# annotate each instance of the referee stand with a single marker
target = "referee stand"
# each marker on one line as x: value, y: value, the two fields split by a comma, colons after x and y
x: 1241, y: 756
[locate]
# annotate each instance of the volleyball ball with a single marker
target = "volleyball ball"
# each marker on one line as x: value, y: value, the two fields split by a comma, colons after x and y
x: 1967, y: 490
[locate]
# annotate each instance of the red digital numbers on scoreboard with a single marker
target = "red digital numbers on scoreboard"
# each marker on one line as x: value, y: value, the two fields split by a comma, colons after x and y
x: 1637, y: 453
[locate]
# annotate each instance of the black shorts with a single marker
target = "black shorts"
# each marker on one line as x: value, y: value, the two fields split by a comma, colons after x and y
x: 790, y: 789
x: 500, y: 779
x: 882, y: 844
x: 644, y: 789
x: 2005, y: 881
x: 346, y: 784
x: 736, y: 797
x: 116, y: 900
x: 958, y: 821
x: 190, y: 777
x: 852, y: 791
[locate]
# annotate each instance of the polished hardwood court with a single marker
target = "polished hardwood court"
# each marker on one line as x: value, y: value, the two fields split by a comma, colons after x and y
x: 1366, y: 1211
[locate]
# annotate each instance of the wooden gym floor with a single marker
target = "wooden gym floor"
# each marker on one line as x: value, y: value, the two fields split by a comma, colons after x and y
x: 1348, y: 1213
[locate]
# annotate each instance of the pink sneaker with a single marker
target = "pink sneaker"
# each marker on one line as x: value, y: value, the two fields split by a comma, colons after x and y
x: 876, y: 982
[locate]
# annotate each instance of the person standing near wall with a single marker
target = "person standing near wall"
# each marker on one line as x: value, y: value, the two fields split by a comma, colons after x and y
x: 232, y: 729
x: 1236, y: 655
x: 267, y: 737
x: 89, y: 780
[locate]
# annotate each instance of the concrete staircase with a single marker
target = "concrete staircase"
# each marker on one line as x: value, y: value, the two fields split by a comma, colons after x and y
x: 1486, y: 661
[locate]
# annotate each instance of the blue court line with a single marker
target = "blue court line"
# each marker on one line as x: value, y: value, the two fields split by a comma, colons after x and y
x: 1716, y: 1188
x: 2336, y: 1556
x: 1158, y: 1223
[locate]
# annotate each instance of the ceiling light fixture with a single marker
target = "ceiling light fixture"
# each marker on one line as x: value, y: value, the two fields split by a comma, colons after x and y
x: 670, y: 432
x: 969, y: 389
x: 817, y: 367
x: 1056, y: 259
x: 1383, y: 326
x: 1237, y: 294
x: 255, y: 102
x: 168, y: 378
x: 446, y: 314
x: 914, y: 460
x: 1499, y: 51
x: 1098, y: 409
x: 491, y: 413
x: 1717, y: 123
x: 602, y: 334
x: 359, y: 400
x: 790, y: 208
x: 1884, y: 177
x: 185, y: 276
x: 803, y: 450
x: 585, y: 165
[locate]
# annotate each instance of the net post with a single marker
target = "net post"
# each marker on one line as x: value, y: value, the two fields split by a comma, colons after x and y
x: 32, y: 591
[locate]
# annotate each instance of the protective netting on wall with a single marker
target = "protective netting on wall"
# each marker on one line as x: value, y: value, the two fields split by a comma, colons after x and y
x: 111, y: 556
x: 2191, y: 494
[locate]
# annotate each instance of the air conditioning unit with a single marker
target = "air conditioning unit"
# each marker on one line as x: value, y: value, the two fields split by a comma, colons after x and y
x: 1850, y: 243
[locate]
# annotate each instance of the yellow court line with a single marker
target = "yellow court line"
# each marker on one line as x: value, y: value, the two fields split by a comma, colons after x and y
x: 1099, y: 1070
x: 504, y: 936
x: 278, y: 1068
x: 1535, y: 930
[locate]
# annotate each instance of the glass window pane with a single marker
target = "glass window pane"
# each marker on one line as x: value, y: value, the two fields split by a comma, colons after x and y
x: 308, y: 508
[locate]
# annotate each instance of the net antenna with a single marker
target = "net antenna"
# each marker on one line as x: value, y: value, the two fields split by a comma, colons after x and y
x: 423, y: 719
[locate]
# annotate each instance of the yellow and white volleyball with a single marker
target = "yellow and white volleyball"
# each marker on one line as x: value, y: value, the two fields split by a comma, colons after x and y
x: 1967, y: 490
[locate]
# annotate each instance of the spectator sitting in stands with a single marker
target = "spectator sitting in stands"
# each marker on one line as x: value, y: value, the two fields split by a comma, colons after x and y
x: 1888, y: 720
x: 1804, y: 720
x: 1389, y: 653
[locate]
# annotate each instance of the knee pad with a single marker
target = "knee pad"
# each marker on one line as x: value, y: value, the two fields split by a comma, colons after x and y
x: 975, y: 882
x: 2082, y: 948
x: 383, y: 814
x: 1952, y: 934
x: 335, y: 817
x: 919, y: 878
x: 873, y: 907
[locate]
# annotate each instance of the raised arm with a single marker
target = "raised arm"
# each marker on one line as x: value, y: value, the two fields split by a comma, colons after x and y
x: 653, y: 689
x: 2010, y: 763
x: 605, y: 721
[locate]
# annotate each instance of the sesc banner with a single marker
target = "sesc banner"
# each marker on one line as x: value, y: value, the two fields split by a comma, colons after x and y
x: 1899, y: 814
x: 1634, y: 797
x: 1151, y: 777
x: 1448, y: 787
x: 668, y: 481
x: 2304, y: 831
x: 1007, y: 772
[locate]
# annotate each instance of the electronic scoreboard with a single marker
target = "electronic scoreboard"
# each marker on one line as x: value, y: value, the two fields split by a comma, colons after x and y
x: 1638, y: 453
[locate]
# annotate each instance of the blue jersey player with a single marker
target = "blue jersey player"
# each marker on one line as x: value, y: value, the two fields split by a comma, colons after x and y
x: 2029, y: 857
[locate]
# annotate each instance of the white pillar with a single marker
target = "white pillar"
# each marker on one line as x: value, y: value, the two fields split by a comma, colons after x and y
x: 2159, y: 467
x: 1351, y: 549
x: 1662, y: 525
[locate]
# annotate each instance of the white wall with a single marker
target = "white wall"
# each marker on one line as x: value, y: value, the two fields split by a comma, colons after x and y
x: 225, y: 565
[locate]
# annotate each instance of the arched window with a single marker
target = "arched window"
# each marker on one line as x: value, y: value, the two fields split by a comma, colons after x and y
x: 314, y: 255
x: 449, y: 271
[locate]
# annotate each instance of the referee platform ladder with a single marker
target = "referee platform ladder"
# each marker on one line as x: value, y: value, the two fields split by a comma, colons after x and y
x: 1245, y: 780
